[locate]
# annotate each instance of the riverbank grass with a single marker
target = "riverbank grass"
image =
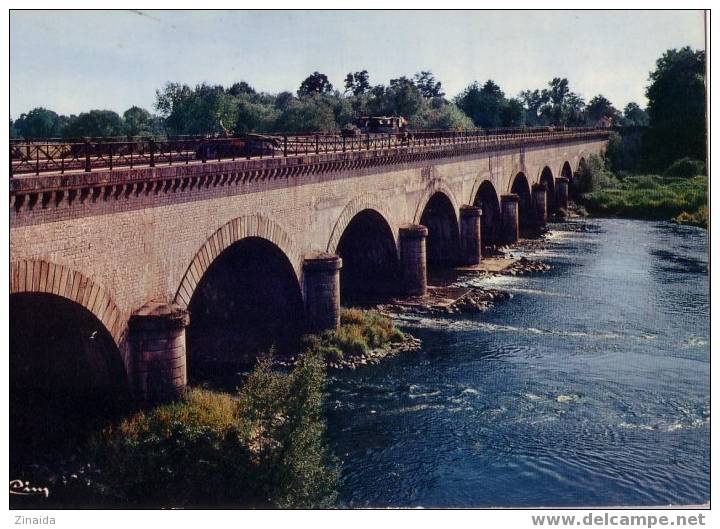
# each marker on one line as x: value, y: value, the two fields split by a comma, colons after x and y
x: 359, y: 333
x: 648, y: 197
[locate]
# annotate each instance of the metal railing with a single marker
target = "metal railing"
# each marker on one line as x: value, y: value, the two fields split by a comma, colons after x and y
x: 60, y: 156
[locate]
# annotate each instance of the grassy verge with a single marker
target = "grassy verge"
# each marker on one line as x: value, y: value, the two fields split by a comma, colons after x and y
x: 359, y: 332
x: 650, y: 197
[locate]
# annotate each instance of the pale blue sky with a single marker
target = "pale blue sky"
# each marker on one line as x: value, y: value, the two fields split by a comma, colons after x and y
x: 72, y: 61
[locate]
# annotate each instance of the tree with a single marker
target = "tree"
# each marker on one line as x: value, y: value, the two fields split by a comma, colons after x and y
x: 483, y: 105
x: 283, y: 100
x: 139, y: 121
x: 561, y: 106
x: 254, y: 116
x: 427, y: 84
x: 469, y: 101
x: 402, y: 97
x: 574, y: 110
x: 634, y: 116
x: 200, y: 110
x: 317, y: 83
x: 241, y: 88
x: 309, y: 114
x: 600, y: 108
x: 676, y: 107
x: 512, y: 113
x: 39, y: 123
x: 533, y: 100
x: 95, y: 124
x: 444, y: 117
x: 553, y: 109
x: 357, y: 83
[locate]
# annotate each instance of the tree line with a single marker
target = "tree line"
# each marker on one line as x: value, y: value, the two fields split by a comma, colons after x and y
x: 675, y: 112
x: 318, y: 107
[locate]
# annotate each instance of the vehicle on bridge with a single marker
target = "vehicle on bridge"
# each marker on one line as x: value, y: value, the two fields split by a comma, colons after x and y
x: 227, y: 144
x: 244, y: 145
x: 377, y: 125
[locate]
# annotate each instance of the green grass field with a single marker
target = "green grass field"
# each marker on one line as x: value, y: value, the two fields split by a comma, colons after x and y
x: 651, y: 197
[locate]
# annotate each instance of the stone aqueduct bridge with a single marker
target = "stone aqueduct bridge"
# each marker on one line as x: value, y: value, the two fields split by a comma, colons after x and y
x: 132, y: 246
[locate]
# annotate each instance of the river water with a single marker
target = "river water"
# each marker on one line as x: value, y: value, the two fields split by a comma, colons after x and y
x: 590, y: 387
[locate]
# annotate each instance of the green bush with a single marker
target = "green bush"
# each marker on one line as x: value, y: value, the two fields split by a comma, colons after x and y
x: 446, y: 117
x: 263, y: 447
x: 359, y: 332
x: 593, y: 175
x: 685, y: 168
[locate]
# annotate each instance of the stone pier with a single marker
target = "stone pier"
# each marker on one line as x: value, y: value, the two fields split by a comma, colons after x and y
x: 413, y: 259
x: 156, y: 338
x: 509, y: 205
x: 321, y: 278
x: 470, y: 236
x: 539, y: 200
x: 561, y: 192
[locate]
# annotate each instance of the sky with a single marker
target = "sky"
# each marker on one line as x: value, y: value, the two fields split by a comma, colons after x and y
x: 74, y: 61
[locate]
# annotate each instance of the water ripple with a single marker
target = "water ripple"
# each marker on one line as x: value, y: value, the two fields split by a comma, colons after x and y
x: 590, y: 387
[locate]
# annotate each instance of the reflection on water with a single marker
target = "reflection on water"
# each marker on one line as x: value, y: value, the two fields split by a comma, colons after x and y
x: 589, y: 387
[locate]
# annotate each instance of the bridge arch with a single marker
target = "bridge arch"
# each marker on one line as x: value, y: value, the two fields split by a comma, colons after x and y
x: 244, y: 295
x: 521, y: 187
x: 487, y: 199
x: 236, y: 230
x: 566, y: 170
x: 581, y: 161
x: 546, y: 177
x: 435, y: 186
x: 440, y: 217
x: 370, y: 201
x: 371, y: 264
x: 68, y: 369
x: 44, y: 277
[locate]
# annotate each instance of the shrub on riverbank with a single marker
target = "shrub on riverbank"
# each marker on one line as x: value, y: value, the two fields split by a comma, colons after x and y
x: 263, y: 447
x: 685, y: 168
x: 699, y: 218
x: 359, y: 332
x: 593, y: 175
x: 650, y: 197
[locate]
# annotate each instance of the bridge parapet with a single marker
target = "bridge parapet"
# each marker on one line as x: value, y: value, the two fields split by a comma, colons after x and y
x: 63, y: 156
x: 50, y: 186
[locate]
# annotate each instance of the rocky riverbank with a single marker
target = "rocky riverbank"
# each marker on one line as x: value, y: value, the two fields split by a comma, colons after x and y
x: 370, y: 357
x: 446, y: 300
x: 409, y: 343
x: 525, y: 266
x: 446, y: 295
